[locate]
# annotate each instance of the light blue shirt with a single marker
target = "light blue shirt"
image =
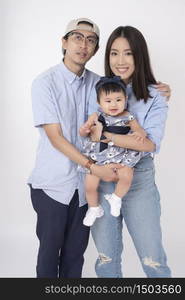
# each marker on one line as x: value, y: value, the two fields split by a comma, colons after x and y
x: 151, y: 115
x: 60, y: 96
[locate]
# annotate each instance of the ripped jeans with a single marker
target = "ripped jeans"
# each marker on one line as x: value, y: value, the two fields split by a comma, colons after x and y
x: 141, y: 212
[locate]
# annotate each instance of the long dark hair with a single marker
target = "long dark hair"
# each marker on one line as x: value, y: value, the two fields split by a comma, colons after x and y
x: 143, y: 75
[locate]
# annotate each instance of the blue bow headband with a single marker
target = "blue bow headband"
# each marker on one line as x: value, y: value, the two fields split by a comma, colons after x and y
x: 105, y: 79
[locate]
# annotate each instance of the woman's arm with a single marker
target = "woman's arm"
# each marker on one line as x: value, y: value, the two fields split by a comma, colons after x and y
x: 135, y: 126
x: 154, y: 126
x: 137, y: 131
x: 128, y: 141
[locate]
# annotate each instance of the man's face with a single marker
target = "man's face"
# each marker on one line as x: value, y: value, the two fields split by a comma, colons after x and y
x: 80, y: 47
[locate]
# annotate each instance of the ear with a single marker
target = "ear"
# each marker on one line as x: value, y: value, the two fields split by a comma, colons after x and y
x: 96, y: 50
x: 64, y: 43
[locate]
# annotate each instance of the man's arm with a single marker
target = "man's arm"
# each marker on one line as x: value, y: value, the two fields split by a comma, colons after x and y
x: 58, y: 141
x: 54, y: 133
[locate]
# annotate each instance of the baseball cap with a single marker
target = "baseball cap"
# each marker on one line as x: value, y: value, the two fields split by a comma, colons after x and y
x: 74, y: 25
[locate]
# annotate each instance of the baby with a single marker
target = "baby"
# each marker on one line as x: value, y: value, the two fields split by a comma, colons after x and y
x: 112, y: 117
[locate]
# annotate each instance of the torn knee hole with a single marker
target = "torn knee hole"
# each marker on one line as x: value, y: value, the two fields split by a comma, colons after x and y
x: 104, y: 259
x: 148, y: 261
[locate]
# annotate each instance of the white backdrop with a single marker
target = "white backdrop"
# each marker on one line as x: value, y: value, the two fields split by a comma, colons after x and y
x: 30, y: 43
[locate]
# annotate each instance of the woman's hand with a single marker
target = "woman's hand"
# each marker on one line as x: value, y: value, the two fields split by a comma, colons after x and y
x: 164, y: 88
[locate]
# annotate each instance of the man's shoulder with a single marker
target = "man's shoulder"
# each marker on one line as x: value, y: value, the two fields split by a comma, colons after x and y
x: 94, y: 76
x: 46, y: 74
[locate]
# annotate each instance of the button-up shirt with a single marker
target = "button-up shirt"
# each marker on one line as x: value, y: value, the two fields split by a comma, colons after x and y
x: 60, y: 96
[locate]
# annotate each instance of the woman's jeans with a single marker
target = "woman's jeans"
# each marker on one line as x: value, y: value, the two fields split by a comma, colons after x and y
x: 141, y: 213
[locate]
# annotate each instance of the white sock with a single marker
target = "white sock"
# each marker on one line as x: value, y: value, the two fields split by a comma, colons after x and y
x: 115, y: 197
x: 115, y: 204
x: 94, y: 208
x: 92, y: 213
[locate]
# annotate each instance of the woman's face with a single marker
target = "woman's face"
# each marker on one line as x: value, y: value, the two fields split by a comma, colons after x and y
x: 121, y: 59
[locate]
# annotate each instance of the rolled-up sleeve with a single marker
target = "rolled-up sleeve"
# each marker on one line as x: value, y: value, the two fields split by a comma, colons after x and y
x: 43, y: 106
x: 155, y: 120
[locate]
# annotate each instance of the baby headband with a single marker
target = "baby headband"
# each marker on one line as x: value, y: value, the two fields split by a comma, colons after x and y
x: 113, y: 79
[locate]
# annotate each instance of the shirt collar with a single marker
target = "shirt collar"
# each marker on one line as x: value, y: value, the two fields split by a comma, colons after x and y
x: 129, y: 85
x: 129, y: 89
x: 70, y: 76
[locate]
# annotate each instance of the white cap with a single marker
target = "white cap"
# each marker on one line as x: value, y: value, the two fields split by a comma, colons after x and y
x: 74, y: 25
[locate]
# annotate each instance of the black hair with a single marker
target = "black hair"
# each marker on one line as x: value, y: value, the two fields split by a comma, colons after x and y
x: 107, y: 88
x: 143, y: 75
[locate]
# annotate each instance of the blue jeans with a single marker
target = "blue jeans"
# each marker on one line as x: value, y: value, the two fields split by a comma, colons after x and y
x: 141, y: 213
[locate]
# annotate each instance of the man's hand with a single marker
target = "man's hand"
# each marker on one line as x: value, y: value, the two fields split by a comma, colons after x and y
x: 106, y: 172
x: 164, y: 88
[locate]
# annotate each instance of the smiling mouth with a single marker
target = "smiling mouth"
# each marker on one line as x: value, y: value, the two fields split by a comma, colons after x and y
x: 122, y: 70
x: 113, y: 110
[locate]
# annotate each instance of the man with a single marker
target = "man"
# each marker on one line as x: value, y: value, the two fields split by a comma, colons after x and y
x: 60, y: 98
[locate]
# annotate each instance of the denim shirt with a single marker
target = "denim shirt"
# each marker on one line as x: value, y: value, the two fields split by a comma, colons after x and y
x: 60, y: 96
x: 151, y: 115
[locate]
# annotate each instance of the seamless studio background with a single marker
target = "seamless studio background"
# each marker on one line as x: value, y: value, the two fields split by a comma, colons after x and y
x: 30, y: 43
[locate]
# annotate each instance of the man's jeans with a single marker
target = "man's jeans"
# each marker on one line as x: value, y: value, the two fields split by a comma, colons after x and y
x: 141, y: 213
x: 63, y: 237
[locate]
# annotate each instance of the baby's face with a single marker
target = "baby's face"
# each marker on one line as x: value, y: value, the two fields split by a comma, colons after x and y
x: 112, y: 104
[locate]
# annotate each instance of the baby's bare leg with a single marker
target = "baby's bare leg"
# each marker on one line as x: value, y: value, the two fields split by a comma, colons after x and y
x: 91, y: 186
x: 125, y: 176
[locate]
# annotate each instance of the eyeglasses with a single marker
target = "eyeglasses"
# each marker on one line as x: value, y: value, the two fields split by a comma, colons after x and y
x: 79, y: 38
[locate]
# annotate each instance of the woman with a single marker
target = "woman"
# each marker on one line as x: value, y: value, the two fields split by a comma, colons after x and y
x: 127, y: 56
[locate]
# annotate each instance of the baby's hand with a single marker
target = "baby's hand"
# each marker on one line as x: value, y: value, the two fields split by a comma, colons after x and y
x: 96, y: 132
x: 85, y: 129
